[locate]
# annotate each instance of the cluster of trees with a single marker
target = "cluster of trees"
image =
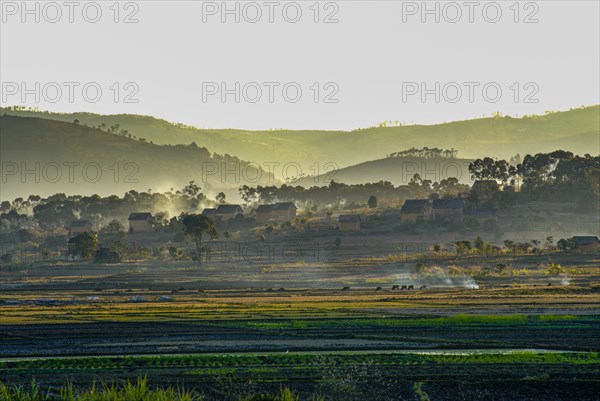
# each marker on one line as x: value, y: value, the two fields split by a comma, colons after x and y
x: 21, y: 108
x: 524, y: 247
x: 88, y: 247
x: 445, y: 188
x: 341, y: 195
x: 557, y: 176
x: 479, y: 246
x: 113, y: 129
x: 521, y: 247
x: 426, y: 153
x: 60, y: 210
x: 491, y: 169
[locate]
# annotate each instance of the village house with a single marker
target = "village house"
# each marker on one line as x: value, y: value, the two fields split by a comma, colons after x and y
x: 414, y: 209
x: 226, y: 212
x: 80, y: 226
x: 264, y: 213
x: 140, y: 223
x: 283, y: 211
x: 450, y: 210
x: 349, y: 222
x: 210, y: 212
x: 585, y: 243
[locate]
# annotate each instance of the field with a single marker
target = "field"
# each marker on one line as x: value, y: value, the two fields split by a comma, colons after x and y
x: 363, y: 372
x: 229, y: 331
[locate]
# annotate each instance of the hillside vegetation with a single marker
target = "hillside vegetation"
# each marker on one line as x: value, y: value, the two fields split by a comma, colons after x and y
x: 43, y: 157
x: 396, y: 170
x: 576, y: 130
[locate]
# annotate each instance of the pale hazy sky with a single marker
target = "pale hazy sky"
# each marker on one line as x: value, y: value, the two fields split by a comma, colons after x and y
x: 374, y: 51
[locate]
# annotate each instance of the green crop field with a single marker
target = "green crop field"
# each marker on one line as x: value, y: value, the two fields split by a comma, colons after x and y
x: 307, y: 372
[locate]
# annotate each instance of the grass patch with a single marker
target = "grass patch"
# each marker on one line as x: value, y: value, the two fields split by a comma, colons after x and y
x: 131, y: 391
x: 138, y: 391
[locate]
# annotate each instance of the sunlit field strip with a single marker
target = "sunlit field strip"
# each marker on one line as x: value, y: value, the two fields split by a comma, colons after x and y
x: 120, y: 309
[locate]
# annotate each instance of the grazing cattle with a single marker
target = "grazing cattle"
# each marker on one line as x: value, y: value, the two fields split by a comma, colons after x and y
x: 411, y: 287
x: 346, y: 289
x: 404, y: 287
x: 378, y: 289
x: 395, y: 287
x: 423, y: 288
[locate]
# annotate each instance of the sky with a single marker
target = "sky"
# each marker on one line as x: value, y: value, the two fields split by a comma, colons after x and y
x: 301, y: 65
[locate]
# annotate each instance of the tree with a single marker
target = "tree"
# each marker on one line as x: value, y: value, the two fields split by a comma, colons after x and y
x: 462, y: 247
x: 191, y: 190
x: 160, y: 220
x: 372, y: 202
x: 194, y: 226
x: 566, y: 244
x: 83, y: 245
x: 5, y: 207
x: 509, y: 244
x: 479, y: 244
x: 114, y: 227
x: 113, y: 231
x: 489, y: 169
x: 220, y: 197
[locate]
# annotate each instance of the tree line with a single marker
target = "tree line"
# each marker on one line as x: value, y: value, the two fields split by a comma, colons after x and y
x: 559, y: 176
x: 426, y: 153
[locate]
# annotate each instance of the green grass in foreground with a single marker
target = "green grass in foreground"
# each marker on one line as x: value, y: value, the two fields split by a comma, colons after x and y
x: 138, y: 391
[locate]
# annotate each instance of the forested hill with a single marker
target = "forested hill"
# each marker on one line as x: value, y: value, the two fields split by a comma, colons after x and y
x: 42, y: 156
x: 397, y: 170
x: 576, y: 130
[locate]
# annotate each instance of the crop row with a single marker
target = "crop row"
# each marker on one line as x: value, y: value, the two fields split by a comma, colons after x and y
x: 300, y: 359
x: 461, y: 320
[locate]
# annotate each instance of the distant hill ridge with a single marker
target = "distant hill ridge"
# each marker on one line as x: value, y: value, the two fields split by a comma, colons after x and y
x: 577, y: 130
x: 43, y: 156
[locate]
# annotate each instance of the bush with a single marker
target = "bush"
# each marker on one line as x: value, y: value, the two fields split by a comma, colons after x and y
x: 84, y: 245
x: 554, y: 270
x: 107, y: 255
